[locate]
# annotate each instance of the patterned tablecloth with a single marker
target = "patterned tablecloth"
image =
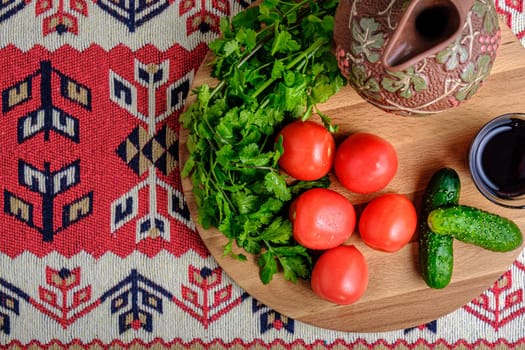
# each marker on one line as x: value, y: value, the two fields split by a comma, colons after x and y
x: 96, y: 244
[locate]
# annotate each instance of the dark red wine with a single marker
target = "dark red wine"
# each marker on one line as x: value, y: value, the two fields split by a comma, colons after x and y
x: 502, y: 155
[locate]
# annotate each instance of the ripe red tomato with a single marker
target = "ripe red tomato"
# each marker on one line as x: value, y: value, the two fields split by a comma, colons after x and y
x: 388, y: 222
x: 340, y: 275
x: 308, y: 150
x: 365, y: 163
x: 322, y: 218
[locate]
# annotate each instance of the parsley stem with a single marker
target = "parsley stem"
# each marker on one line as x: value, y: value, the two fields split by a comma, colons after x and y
x: 246, y: 58
x: 304, y: 56
x: 308, y: 52
x: 269, y: 168
x: 215, y: 181
x: 295, y: 7
x: 217, y: 88
x: 259, y: 46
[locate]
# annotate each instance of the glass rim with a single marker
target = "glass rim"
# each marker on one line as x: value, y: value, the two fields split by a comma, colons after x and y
x: 474, y: 159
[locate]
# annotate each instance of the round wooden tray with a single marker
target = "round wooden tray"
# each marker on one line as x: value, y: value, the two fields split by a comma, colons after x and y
x: 397, y: 297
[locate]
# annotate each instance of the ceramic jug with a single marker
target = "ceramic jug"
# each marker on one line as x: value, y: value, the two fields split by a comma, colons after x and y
x: 416, y: 57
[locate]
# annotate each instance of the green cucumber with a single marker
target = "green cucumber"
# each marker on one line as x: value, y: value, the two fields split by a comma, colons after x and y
x: 476, y: 226
x: 436, y: 258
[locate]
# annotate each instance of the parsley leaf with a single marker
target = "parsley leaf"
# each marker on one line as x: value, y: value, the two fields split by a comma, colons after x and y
x: 283, y: 42
x: 276, y: 184
x: 268, y: 265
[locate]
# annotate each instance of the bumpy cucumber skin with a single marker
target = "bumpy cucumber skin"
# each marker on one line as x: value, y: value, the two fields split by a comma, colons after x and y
x: 436, y: 258
x: 476, y: 226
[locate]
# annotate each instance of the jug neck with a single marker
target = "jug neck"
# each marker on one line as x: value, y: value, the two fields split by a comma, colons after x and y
x: 426, y: 27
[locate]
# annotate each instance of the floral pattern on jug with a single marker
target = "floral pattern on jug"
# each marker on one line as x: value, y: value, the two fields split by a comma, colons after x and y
x: 433, y: 82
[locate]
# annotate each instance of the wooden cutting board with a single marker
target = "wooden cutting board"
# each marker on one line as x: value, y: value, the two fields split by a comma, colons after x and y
x: 397, y: 296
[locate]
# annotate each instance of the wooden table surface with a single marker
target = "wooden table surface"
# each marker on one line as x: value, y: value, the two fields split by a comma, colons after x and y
x: 397, y: 297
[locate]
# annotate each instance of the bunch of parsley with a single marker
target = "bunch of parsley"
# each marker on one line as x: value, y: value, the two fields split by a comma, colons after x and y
x: 273, y: 63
